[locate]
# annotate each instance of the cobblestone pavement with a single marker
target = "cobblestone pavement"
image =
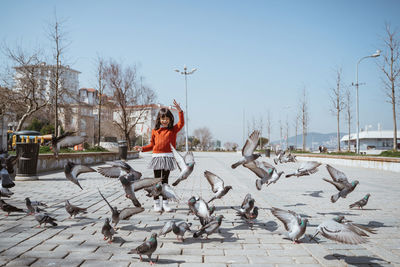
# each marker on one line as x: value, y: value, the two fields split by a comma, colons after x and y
x: 78, y: 242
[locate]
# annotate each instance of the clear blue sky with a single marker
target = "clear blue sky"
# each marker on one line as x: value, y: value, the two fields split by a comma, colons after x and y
x: 250, y: 55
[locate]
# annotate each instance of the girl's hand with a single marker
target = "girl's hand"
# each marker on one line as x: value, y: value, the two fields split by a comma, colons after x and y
x: 176, y: 105
x: 138, y: 148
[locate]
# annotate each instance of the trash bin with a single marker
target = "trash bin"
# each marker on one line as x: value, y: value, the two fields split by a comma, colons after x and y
x: 268, y: 152
x: 122, y: 150
x: 27, y: 164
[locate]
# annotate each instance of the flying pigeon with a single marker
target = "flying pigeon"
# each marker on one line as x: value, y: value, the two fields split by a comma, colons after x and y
x: 72, y: 171
x: 209, y: 228
x: 9, y: 208
x: 339, y: 180
x: 217, y: 185
x: 185, y: 165
x: 200, y: 208
x: 294, y: 223
x: 31, y: 205
x: 123, y: 214
x: 74, y: 210
x: 358, y: 228
x: 165, y: 190
x: 279, y: 155
x: 247, y: 210
x: 340, y: 232
x: 361, y: 203
x: 130, y: 187
x: 306, y: 168
x: 119, y: 168
x: 108, y: 231
x: 65, y: 140
x: 248, y: 150
x: 265, y: 171
x: 147, y: 248
x: 45, y: 218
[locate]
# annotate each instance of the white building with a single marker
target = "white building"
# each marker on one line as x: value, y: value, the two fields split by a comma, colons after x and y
x: 372, y: 140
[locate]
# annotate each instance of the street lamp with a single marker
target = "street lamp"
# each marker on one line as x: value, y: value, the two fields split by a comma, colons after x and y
x: 376, y: 54
x: 186, y: 73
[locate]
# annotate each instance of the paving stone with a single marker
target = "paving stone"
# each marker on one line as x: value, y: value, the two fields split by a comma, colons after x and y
x: 226, y: 259
x: 21, y: 262
x: 105, y: 263
x: 269, y: 259
x: 56, y: 262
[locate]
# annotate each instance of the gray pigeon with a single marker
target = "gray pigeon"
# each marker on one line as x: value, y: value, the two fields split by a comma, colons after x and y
x: 108, y: 231
x: 179, y: 229
x: 6, y: 181
x: 9, y: 208
x: 209, y: 228
x: 248, y: 150
x: 164, y: 190
x: 8, y: 162
x: 31, y: 205
x: 247, y: 210
x: 72, y: 171
x: 358, y: 228
x: 265, y: 171
x: 217, y: 185
x: 201, y: 209
x: 306, y: 168
x: 74, y: 210
x: 294, y: 223
x: 147, y: 248
x: 119, y: 168
x: 340, y: 181
x: 185, y: 165
x: 130, y: 187
x: 340, y: 232
x: 123, y: 214
x: 65, y: 140
x: 361, y: 203
x: 288, y: 158
x: 5, y: 192
x: 279, y: 156
x: 45, y: 218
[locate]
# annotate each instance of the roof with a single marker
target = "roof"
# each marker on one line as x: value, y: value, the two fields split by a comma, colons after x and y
x: 44, y: 65
x: 387, y: 134
x: 88, y: 89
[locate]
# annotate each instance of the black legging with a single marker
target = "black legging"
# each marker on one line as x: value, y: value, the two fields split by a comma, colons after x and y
x: 164, y: 174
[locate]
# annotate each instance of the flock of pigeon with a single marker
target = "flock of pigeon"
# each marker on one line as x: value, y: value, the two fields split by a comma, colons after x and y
x: 338, y: 229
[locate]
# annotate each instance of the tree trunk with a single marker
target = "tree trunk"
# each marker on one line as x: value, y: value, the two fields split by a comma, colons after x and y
x: 338, y: 132
x: 394, y: 121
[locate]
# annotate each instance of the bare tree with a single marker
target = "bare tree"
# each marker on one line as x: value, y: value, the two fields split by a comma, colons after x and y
x: 130, y: 98
x: 26, y: 93
x: 391, y: 70
x: 260, y: 128
x: 269, y: 126
x: 204, y: 135
x: 230, y: 146
x: 348, y: 113
x: 337, y: 103
x: 296, y: 127
x: 304, y: 116
x: 287, y: 133
x: 280, y: 133
x: 100, y: 77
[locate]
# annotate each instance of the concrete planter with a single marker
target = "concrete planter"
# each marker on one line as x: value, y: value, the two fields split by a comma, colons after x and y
x: 49, y: 163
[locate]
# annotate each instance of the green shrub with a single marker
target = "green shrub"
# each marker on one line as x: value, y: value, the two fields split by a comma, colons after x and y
x: 45, y: 150
x: 390, y: 153
x: 96, y: 149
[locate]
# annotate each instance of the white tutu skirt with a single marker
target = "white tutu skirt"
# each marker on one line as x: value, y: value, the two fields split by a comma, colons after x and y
x: 163, y: 163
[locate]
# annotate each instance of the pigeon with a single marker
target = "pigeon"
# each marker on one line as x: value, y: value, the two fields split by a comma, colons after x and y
x: 200, y: 208
x: 185, y: 165
x: 119, y: 168
x: 358, y: 228
x: 123, y: 214
x: 74, y: 210
x: 9, y: 208
x: 65, y: 140
x: 108, y: 231
x: 131, y: 187
x: 288, y: 158
x: 147, y: 248
x: 294, y: 223
x: 279, y: 155
x: 179, y: 229
x: 264, y: 171
x: 246, y: 207
x: 340, y: 181
x: 361, y: 203
x: 340, y: 232
x: 209, y: 228
x: 31, y: 205
x: 6, y: 181
x: 5, y: 192
x: 274, y: 178
x: 9, y: 161
x: 165, y: 190
x: 217, y: 185
x: 72, y: 171
x: 306, y: 168
x: 248, y: 150
x: 45, y: 218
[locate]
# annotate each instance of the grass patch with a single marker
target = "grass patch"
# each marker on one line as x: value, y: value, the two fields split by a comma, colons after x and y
x: 390, y: 153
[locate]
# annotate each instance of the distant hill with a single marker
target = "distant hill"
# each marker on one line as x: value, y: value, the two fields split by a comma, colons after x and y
x: 314, y: 139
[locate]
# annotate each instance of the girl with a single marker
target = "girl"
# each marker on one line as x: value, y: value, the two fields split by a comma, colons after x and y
x: 163, y: 160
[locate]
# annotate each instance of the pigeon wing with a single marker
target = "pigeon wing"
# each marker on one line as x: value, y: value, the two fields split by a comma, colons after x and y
x: 78, y: 169
x: 166, y: 228
x: 251, y: 144
x: 145, y: 182
x: 189, y: 157
x: 178, y: 157
x: 336, y: 175
x: 126, y: 213
x: 288, y: 218
x: 110, y: 172
x: 217, y: 184
x: 169, y: 193
x: 71, y: 141
x: 246, y: 200
x: 340, y: 233
x: 309, y: 165
x: 254, y: 166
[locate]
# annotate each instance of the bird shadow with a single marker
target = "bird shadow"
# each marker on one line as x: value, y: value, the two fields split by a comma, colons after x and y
x: 119, y: 240
x: 313, y: 193
x: 376, y: 224
x: 356, y: 260
x: 82, y: 223
x: 248, y: 226
x: 295, y: 205
x: 338, y: 213
x: 271, y: 226
x: 364, y: 209
x: 168, y: 261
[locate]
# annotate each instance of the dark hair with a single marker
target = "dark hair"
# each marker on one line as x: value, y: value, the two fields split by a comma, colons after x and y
x: 164, y: 112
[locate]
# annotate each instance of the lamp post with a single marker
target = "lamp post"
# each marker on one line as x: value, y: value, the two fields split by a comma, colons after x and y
x: 376, y: 54
x: 186, y: 73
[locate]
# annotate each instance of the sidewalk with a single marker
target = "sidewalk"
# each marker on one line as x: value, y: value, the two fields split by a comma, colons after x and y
x: 79, y: 242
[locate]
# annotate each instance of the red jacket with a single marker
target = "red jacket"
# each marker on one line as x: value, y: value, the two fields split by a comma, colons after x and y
x: 161, y: 138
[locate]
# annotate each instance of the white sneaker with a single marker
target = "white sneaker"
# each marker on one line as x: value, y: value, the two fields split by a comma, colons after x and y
x: 157, y: 205
x: 165, y: 206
